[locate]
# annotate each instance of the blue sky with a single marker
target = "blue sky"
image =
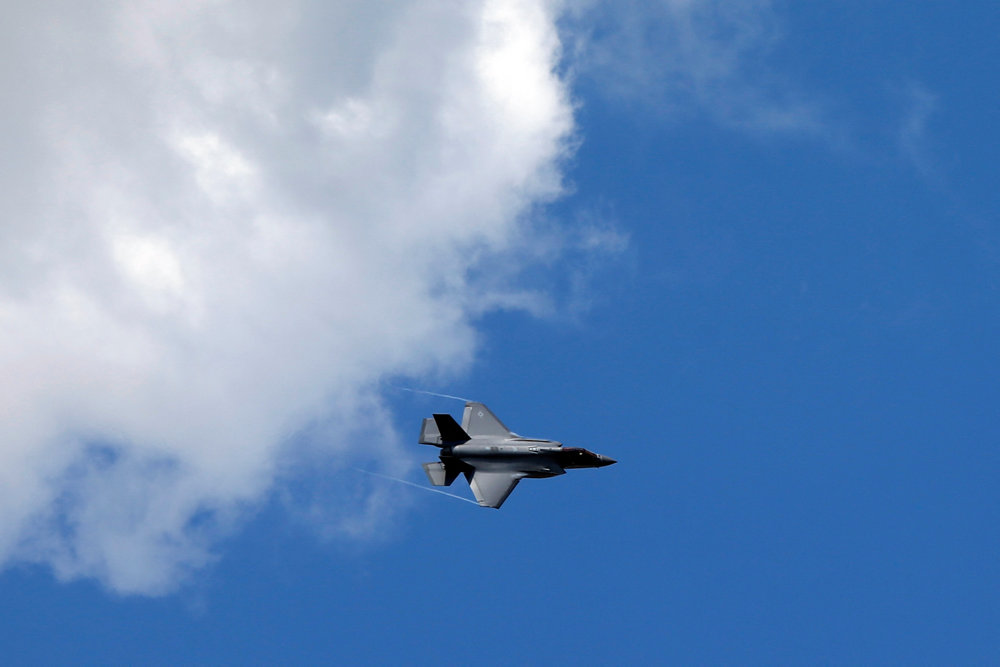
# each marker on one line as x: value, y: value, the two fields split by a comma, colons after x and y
x: 767, y: 285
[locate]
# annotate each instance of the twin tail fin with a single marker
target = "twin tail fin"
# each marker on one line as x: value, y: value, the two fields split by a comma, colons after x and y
x: 442, y: 430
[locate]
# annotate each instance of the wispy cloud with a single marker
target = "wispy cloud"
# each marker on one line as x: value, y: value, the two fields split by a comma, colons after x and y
x: 687, y: 57
x: 919, y: 107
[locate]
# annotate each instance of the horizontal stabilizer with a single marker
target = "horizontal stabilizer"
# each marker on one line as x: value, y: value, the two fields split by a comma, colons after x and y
x: 449, y: 429
x: 441, y: 475
x: 429, y: 434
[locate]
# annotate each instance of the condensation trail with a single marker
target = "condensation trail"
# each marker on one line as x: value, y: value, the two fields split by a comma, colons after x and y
x: 432, y: 393
x: 423, y: 488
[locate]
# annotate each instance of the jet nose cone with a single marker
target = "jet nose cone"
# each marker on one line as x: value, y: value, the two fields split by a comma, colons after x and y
x: 606, y: 460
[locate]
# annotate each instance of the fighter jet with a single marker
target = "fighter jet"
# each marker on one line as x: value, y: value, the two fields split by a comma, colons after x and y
x: 492, y: 457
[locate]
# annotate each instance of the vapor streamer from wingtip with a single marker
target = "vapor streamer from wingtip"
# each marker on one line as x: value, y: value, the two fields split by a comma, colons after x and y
x: 433, y: 393
x: 415, y: 485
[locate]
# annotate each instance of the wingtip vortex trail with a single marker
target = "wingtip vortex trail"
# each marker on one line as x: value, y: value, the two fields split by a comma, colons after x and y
x: 422, y: 488
x: 433, y: 393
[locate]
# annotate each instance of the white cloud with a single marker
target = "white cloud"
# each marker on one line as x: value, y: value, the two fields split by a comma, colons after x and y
x: 912, y: 133
x: 688, y: 57
x: 222, y: 224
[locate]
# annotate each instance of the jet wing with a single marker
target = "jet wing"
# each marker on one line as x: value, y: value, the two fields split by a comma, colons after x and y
x: 479, y: 420
x: 492, y: 488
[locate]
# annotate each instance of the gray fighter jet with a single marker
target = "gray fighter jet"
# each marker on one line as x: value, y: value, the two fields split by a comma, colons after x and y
x: 492, y: 458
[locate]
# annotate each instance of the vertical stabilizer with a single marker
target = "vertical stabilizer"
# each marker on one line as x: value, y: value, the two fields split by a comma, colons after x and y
x: 449, y: 430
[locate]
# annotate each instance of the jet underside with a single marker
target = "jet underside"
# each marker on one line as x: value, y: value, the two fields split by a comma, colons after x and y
x: 492, y: 458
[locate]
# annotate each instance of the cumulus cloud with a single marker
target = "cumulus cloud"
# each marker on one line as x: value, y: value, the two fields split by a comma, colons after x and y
x: 222, y: 224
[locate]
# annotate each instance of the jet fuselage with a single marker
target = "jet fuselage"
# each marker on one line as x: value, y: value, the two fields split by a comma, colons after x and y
x: 536, y: 458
